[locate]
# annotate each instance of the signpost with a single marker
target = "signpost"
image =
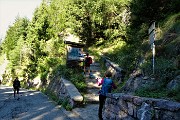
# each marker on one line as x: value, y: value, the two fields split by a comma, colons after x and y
x: 151, y: 33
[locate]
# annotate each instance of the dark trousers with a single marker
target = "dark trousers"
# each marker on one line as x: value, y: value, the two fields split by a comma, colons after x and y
x: 102, y: 99
x: 16, y: 90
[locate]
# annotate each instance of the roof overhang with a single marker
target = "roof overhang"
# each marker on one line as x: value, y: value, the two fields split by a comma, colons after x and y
x: 74, y: 44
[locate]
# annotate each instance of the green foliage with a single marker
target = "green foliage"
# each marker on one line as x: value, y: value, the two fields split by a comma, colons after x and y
x: 144, y: 11
x: 1, y: 59
x: 15, y: 33
x: 136, y: 51
x: 158, y: 93
x: 116, y: 28
x: 12, y: 45
x: 170, y: 25
x: 174, y: 94
x: 165, y: 68
x: 76, y: 78
x: 92, y: 20
x: 66, y: 105
x: 74, y: 75
x: 166, y: 61
x: 51, y: 95
x: 79, y: 81
x: 157, y: 90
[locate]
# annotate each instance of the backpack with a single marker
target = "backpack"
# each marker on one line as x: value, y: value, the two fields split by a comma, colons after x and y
x: 88, y: 60
x: 16, y: 84
x: 106, y: 86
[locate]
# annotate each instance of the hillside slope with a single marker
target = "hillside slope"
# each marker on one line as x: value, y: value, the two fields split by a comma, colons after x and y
x: 138, y: 59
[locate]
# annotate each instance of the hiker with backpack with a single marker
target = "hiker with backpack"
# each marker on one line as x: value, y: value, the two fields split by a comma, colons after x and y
x: 16, y: 86
x: 87, y: 63
x: 107, y: 85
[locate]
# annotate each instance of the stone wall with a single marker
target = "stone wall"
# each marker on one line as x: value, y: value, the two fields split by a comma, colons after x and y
x: 117, y: 72
x: 65, y: 90
x: 127, y: 107
x: 121, y: 106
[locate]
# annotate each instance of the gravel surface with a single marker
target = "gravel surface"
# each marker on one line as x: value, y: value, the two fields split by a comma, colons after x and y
x: 32, y: 105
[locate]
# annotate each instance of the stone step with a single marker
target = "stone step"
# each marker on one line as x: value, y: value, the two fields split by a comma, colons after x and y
x: 91, y: 98
x: 91, y: 78
x: 93, y: 85
x: 94, y: 74
x: 95, y: 64
x: 93, y: 90
x: 92, y: 95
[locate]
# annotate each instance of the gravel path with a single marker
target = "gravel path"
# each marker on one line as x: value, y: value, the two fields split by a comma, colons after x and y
x: 32, y: 105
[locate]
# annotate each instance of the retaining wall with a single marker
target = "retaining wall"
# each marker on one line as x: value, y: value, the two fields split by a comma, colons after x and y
x: 127, y: 107
x: 121, y: 106
x: 66, y: 91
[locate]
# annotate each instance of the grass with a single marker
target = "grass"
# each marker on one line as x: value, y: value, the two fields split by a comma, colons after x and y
x: 166, y: 62
x: 160, y: 92
x: 174, y: 94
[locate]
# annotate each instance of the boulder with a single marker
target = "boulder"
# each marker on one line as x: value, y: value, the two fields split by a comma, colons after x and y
x: 173, y: 84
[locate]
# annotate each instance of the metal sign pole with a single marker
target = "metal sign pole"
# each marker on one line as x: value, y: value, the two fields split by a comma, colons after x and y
x: 153, y: 50
x: 151, y: 32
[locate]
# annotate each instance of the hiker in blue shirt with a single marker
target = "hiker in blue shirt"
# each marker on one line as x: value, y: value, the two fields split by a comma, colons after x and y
x: 107, y: 85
